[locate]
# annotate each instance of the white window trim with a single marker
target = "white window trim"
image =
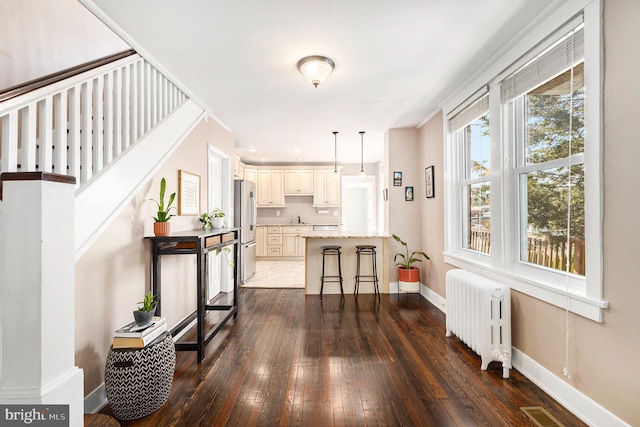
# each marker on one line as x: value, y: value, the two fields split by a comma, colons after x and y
x: 581, y: 296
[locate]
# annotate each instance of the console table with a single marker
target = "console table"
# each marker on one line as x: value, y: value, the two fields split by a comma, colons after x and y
x: 198, y: 243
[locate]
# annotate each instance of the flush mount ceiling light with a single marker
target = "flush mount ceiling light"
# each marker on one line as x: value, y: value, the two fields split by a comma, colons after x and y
x: 362, y: 175
x: 316, y: 68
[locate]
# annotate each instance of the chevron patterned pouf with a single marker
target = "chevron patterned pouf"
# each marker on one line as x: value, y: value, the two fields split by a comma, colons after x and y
x: 138, y: 381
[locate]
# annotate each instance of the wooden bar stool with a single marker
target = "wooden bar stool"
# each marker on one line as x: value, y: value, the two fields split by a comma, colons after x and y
x: 333, y: 250
x: 365, y: 250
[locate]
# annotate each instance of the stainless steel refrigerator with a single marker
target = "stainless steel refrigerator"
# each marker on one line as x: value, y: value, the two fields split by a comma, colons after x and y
x: 245, y: 213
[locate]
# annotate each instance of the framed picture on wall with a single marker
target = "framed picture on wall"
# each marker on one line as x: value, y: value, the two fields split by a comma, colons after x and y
x: 397, y: 179
x: 408, y: 194
x: 188, y: 193
x: 428, y: 182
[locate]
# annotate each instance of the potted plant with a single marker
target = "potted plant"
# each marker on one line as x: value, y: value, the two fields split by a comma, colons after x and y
x: 161, y: 224
x: 217, y: 218
x: 408, y: 275
x: 205, y: 220
x: 213, y: 219
x: 146, y: 310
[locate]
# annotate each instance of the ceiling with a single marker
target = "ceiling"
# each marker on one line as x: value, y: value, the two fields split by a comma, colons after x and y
x: 395, y: 63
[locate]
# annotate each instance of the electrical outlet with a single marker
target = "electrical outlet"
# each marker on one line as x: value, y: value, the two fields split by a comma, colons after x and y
x: 277, y: 213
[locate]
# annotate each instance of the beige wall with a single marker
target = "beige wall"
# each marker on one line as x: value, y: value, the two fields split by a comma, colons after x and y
x: 431, y: 137
x: 114, y: 274
x: 404, y: 217
x: 602, y: 357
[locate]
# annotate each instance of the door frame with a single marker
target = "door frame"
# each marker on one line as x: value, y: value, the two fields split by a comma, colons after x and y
x: 226, y: 203
x: 369, y: 183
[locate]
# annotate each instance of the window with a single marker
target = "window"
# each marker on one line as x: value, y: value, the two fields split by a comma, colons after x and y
x: 523, y: 183
x: 547, y: 136
x: 471, y: 130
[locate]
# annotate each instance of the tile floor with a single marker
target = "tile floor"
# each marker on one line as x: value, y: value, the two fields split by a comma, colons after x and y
x: 277, y: 274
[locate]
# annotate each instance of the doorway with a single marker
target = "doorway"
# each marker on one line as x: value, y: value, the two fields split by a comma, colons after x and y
x: 358, y: 204
x: 218, y: 196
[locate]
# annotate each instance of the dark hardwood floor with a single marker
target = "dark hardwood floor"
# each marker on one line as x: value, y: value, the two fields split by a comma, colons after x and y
x: 291, y: 359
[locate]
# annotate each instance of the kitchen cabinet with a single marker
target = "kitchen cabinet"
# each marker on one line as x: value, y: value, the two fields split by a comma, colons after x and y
x: 326, y: 188
x: 270, y: 188
x: 298, y: 182
x: 238, y: 168
x: 261, y: 241
x: 274, y: 241
x: 251, y: 175
x: 293, y: 244
x: 282, y: 240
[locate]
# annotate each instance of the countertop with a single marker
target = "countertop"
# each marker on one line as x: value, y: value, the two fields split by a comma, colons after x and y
x: 345, y: 235
x: 292, y: 225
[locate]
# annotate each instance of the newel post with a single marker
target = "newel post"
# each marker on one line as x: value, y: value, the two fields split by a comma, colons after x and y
x: 37, y: 282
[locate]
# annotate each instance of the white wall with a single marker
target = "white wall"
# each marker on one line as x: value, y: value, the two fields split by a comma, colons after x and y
x: 40, y: 37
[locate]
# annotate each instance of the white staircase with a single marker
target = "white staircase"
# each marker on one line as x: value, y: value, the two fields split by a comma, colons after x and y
x: 111, y: 127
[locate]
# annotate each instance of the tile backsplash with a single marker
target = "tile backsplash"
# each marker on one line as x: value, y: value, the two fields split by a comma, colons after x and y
x: 301, y: 206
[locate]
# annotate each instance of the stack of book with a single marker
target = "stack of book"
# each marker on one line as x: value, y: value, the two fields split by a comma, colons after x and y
x: 134, y: 336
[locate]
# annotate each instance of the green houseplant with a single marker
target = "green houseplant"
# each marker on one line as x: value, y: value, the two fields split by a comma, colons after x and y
x: 146, y: 310
x: 213, y: 219
x: 161, y: 220
x: 408, y: 275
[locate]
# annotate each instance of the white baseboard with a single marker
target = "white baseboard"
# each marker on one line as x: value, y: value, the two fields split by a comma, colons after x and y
x: 96, y: 400
x: 433, y: 298
x: 577, y: 402
x: 427, y: 293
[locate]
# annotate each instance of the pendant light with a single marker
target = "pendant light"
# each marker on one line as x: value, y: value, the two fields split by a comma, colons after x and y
x: 335, y: 154
x: 362, y: 175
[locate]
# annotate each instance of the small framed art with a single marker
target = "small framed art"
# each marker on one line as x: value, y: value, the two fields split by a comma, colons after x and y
x: 397, y: 179
x: 428, y: 182
x: 408, y: 194
x: 189, y: 193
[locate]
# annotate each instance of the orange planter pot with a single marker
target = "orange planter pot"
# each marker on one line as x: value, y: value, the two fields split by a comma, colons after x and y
x: 412, y: 275
x: 161, y: 228
x: 408, y: 280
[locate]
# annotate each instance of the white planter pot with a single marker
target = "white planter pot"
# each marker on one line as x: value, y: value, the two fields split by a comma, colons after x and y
x: 412, y: 287
x: 217, y: 222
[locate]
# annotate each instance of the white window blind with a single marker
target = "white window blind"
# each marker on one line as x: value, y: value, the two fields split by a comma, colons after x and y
x: 565, y: 53
x: 468, y: 114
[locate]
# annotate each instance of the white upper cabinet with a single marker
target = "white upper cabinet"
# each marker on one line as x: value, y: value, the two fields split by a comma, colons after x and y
x: 298, y: 182
x: 251, y: 175
x: 270, y: 188
x: 326, y: 188
x: 238, y: 168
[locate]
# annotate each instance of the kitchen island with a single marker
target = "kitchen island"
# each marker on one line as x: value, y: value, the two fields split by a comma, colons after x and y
x: 348, y: 242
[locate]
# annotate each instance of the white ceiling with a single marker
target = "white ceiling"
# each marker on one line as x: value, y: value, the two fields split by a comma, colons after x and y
x: 395, y: 62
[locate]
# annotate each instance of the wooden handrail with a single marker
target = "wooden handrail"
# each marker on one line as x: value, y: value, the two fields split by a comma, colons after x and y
x: 32, y: 85
x: 35, y: 176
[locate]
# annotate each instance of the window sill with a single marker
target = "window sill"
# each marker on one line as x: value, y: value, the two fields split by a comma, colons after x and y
x: 580, y: 304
